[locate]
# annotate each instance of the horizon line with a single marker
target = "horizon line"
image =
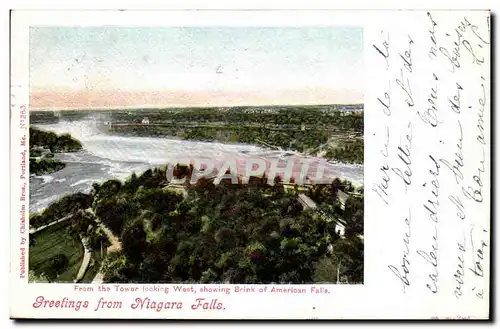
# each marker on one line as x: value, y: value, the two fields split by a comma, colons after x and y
x: 153, y: 107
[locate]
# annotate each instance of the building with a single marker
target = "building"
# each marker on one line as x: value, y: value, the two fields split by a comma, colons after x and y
x: 145, y: 121
x: 351, y: 109
x: 340, y: 228
x: 306, y: 202
x: 342, y: 196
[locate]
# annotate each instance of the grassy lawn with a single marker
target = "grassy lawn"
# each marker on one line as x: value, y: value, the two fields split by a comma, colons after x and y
x: 52, y: 241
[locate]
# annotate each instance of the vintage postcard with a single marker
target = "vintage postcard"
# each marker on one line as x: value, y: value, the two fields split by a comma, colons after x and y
x: 213, y: 164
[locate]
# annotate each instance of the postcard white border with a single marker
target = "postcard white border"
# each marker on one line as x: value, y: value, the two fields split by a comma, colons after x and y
x: 344, y: 302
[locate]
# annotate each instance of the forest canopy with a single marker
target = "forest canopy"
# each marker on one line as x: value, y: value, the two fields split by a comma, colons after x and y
x: 225, y: 233
x: 55, y: 143
x: 42, y: 162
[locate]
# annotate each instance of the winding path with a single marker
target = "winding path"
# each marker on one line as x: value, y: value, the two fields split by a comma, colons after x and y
x: 99, y: 278
x: 86, y: 259
x: 115, y: 246
x: 85, y: 242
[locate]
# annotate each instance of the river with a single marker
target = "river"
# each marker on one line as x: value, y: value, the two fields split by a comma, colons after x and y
x: 107, y: 156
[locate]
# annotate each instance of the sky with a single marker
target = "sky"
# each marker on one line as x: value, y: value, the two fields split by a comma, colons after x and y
x: 198, y: 61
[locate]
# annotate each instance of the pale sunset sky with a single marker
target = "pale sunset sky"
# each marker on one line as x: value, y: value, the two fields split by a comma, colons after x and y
x: 103, y: 67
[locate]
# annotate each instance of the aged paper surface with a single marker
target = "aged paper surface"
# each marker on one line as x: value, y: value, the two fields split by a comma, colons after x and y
x: 200, y: 165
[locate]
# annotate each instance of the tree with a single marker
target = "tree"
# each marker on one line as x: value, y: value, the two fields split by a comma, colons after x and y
x: 326, y: 270
x: 181, y: 171
x: 32, y: 240
x: 114, y: 268
x: 95, y: 189
x: 216, y: 233
x: 352, y: 205
x: 134, y: 241
x: 350, y: 252
x: 356, y: 225
x: 335, y: 187
x: 207, y: 224
x: 55, y: 266
x: 109, y: 188
x: 209, y: 276
x: 116, y: 211
x: 226, y: 238
x: 98, y: 239
x: 132, y: 184
x: 34, y: 278
x: 66, y: 205
x: 80, y: 221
